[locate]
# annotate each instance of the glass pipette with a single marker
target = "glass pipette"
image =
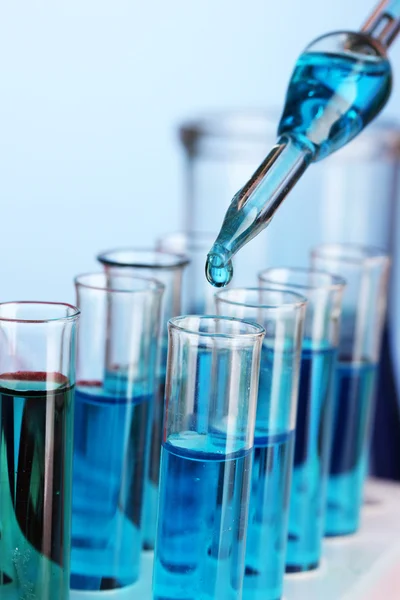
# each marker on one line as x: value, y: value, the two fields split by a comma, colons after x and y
x: 339, y: 84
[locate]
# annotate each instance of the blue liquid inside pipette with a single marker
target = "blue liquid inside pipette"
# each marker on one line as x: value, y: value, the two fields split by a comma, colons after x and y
x: 332, y: 96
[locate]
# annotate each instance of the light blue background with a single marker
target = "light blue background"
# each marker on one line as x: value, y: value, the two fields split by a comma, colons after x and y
x: 91, y: 93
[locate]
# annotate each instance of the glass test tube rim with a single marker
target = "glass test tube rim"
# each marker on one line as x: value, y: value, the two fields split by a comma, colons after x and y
x: 167, y: 260
x: 381, y: 140
x: 254, y: 329
x: 356, y: 255
x: 148, y: 284
x: 298, y: 300
x: 333, y: 282
x: 72, y: 312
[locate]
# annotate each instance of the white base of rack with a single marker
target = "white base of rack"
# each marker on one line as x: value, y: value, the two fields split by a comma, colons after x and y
x: 357, y: 567
x: 365, y: 566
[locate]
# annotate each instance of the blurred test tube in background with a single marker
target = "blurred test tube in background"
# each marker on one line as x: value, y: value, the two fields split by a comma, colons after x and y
x: 314, y: 409
x: 366, y: 272
x: 169, y: 270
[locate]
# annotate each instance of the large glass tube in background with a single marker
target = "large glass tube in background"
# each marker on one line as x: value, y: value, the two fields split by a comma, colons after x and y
x: 314, y: 409
x: 168, y: 268
x: 37, y: 378
x: 281, y: 314
x: 366, y: 272
x: 211, y: 392
x: 350, y: 197
x: 116, y: 381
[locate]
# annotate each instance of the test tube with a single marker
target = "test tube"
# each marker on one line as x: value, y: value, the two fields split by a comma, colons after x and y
x: 212, y: 379
x: 314, y: 409
x: 116, y: 379
x: 37, y: 377
x: 366, y: 271
x: 281, y: 313
x: 197, y: 293
x: 168, y: 268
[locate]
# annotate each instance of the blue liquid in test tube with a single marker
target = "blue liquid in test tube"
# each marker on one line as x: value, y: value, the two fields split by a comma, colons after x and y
x: 282, y: 315
x: 112, y: 432
x: 152, y: 483
x: 204, y: 501
x: 314, y: 409
x: 353, y: 404
x: 271, y: 479
x: 311, y: 457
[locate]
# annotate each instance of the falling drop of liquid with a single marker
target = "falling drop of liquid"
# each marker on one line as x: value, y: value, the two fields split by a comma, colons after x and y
x: 218, y: 273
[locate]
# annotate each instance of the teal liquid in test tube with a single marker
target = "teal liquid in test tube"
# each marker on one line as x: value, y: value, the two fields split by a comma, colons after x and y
x: 366, y: 272
x: 116, y: 382
x: 168, y: 268
x: 281, y: 314
x: 212, y: 380
x: 314, y: 409
x: 37, y: 379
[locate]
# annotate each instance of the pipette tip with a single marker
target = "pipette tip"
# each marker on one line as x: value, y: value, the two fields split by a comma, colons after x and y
x: 219, y: 269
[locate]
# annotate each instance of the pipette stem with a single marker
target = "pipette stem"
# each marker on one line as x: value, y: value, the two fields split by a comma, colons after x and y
x: 384, y: 23
x: 255, y: 204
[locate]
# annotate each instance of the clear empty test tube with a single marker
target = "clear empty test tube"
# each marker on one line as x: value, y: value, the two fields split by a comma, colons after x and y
x: 197, y: 293
x: 116, y: 380
x: 168, y: 268
x: 364, y: 302
x: 281, y: 314
x: 314, y: 409
x: 212, y: 380
x: 37, y: 378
